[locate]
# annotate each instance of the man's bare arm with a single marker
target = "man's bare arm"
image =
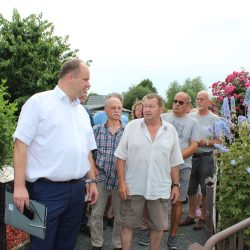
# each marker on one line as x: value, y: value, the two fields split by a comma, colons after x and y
x: 123, y: 188
x: 20, y: 195
x: 92, y: 190
x: 190, y: 150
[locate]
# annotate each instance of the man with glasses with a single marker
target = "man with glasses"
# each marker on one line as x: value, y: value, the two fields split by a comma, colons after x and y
x: 148, y: 158
x: 202, y: 161
x: 188, y: 133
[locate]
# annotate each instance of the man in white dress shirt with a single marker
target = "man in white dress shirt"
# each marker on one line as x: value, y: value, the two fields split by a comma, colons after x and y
x: 53, y: 140
x: 148, y: 158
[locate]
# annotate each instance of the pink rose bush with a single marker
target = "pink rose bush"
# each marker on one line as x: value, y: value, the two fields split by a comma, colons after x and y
x: 235, y: 85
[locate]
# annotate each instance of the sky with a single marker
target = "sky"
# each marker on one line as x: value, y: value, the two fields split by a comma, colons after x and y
x: 161, y: 40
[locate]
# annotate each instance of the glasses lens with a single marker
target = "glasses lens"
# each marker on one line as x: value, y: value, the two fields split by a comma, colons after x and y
x: 180, y: 102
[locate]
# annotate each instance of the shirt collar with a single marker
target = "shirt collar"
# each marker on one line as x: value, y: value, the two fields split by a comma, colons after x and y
x: 122, y: 125
x: 61, y: 95
x: 164, y: 124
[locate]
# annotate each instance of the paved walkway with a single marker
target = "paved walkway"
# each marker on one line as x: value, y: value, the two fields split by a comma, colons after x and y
x: 186, y: 237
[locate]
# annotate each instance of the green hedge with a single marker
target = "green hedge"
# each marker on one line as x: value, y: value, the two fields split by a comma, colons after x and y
x: 233, y: 190
x: 7, y: 125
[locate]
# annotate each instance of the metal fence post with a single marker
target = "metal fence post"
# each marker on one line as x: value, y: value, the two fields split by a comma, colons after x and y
x: 209, y: 202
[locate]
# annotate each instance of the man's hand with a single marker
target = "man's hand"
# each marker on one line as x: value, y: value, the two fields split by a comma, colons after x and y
x: 21, y: 197
x: 202, y: 143
x: 123, y: 190
x: 175, y: 194
x: 92, y: 193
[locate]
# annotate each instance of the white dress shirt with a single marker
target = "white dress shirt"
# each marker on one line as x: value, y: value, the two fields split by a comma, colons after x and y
x: 58, y: 134
x: 148, y: 162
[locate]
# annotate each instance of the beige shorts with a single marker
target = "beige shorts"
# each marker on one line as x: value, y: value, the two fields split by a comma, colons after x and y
x: 132, y: 212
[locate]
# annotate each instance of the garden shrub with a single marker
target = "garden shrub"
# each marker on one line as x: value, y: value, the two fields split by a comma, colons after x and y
x: 7, y: 126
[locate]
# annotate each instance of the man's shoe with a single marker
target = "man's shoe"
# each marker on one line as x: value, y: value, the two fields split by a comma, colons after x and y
x: 96, y: 248
x: 199, y: 225
x: 119, y: 248
x: 172, y: 243
x: 188, y: 221
x: 85, y: 230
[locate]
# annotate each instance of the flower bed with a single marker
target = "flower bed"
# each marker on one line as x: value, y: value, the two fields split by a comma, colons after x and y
x: 14, y: 237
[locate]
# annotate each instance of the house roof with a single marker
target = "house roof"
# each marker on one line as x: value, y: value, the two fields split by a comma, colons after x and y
x: 97, y: 102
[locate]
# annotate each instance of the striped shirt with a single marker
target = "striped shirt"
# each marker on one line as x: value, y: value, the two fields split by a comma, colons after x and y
x: 105, y: 160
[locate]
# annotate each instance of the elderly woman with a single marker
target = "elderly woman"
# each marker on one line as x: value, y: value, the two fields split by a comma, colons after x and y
x: 137, y: 110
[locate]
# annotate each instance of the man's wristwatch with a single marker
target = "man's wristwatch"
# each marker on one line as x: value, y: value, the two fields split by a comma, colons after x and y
x: 176, y: 185
x: 91, y: 181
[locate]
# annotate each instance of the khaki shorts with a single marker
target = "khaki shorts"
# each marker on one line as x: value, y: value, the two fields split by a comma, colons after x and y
x: 132, y: 212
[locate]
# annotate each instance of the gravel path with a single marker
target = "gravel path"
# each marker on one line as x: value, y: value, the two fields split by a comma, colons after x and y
x: 186, y: 236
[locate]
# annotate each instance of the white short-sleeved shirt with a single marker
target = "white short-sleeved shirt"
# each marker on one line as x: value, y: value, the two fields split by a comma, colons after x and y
x: 148, y: 162
x: 58, y: 134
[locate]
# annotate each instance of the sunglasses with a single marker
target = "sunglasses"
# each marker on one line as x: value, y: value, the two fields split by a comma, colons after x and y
x: 179, y: 102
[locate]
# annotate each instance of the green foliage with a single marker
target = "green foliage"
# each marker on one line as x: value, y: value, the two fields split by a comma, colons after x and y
x: 31, y: 55
x: 172, y: 90
x: 137, y: 92
x: 233, y: 193
x: 190, y: 86
x: 7, y: 126
x: 146, y: 83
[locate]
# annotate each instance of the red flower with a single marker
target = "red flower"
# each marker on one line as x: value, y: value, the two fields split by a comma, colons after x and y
x: 235, y: 85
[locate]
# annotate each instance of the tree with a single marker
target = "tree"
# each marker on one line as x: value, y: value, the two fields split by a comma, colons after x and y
x: 146, y: 83
x: 193, y: 86
x: 7, y: 125
x: 173, y: 88
x: 190, y: 86
x: 137, y: 92
x: 31, y: 55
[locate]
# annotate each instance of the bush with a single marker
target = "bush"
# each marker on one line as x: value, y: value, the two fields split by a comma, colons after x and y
x: 7, y: 126
x: 233, y: 193
x: 234, y: 85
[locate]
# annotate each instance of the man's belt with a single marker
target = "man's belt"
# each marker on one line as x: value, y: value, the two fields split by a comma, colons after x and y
x: 68, y: 181
x: 199, y: 155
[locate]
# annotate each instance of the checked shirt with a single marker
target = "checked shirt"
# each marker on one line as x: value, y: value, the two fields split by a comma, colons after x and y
x: 105, y: 160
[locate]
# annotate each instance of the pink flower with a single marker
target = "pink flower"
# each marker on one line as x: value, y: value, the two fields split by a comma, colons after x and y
x: 247, y: 85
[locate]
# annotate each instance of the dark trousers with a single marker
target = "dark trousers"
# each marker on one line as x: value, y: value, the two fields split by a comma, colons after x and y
x: 85, y: 219
x: 64, y: 211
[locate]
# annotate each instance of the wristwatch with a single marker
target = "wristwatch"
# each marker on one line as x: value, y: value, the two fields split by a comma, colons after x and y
x: 176, y: 184
x: 91, y: 180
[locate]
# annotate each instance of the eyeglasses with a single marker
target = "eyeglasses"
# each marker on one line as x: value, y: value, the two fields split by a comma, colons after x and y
x: 179, y: 102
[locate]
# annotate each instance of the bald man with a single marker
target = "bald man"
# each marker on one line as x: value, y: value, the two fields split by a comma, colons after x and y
x: 202, y: 161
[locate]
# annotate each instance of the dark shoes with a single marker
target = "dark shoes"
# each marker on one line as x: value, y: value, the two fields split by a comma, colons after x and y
x: 188, y: 221
x: 172, y: 243
x: 108, y: 222
x: 85, y: 230
x: 118, y: 248
x: 199, y: 225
